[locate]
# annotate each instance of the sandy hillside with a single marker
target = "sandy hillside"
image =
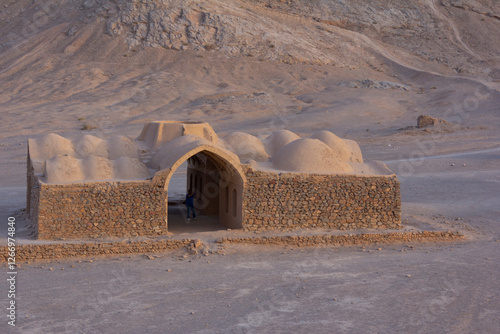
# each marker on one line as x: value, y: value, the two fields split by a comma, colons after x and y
x: 362, y: 70
x: 258, y: 66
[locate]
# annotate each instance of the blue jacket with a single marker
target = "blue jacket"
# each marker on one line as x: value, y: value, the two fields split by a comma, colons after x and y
x: 190, y: 199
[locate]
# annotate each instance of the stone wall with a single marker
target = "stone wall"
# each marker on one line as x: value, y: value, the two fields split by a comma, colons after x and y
x: 347, y: 239
x: 292, y: 200
x: 60, y: 250
x: 270, y: 201
x: 64, y: 250
x: 32, y: 196
x: 114, y: 209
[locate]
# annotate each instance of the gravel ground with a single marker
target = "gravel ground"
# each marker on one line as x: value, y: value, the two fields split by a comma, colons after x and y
x: 414, y: 288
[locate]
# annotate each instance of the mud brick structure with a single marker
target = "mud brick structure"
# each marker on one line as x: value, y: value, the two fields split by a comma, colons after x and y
x: 86, y: 190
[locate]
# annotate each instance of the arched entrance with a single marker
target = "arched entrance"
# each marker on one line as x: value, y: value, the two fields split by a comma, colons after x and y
x: 216, y: 177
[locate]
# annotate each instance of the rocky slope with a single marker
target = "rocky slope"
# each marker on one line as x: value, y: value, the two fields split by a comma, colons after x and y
x: 69, y: 64
x: 449, y: 32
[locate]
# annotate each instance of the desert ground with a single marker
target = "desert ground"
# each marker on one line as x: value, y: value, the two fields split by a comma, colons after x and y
x: 363, y: 71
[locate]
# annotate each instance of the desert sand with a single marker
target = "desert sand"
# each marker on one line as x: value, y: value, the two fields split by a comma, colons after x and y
x: 91, y: 71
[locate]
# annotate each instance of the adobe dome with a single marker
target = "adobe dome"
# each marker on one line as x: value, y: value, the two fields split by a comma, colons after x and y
x: 278, y: 139
x: 345, y: 150
x: 246, y: 146
x: 309, y: 155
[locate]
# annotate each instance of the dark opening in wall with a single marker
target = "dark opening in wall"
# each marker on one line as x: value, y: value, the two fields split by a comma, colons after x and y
x: 227, y: 199
x: 235, y: 203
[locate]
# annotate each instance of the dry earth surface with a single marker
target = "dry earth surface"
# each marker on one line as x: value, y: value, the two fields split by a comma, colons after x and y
x: 364, y: 71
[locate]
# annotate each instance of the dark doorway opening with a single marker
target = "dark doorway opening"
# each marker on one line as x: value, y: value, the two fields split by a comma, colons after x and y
x: 216, y: 203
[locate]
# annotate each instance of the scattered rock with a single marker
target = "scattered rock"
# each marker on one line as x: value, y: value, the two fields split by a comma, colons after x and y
x: 72, y: 31
x: 373, y: 84
x: 197, y: 243
x: 424, y: 121
x: 88, y: 4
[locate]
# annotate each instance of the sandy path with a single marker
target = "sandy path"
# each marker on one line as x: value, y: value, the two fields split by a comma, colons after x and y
x: 432, y: 5
x: 450, y: 155
x: 451, y: 289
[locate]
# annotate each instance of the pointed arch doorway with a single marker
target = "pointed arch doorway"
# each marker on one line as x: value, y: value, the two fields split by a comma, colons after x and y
x: 216, y: 177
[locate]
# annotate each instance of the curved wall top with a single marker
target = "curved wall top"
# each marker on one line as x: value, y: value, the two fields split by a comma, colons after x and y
x: 155, y: 134
x: 178, y: 155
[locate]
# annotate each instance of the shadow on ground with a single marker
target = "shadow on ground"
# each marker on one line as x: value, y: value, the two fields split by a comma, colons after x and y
x: 177, y: 222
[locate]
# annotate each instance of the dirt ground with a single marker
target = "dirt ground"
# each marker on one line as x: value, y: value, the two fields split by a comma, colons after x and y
x: 420, y: 289
x: 414, y: 288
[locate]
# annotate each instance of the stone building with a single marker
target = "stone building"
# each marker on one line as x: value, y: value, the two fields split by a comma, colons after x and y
x: 118, y: 187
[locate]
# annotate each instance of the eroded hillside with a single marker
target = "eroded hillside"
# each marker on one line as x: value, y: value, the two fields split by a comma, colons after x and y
x: 120, y: 63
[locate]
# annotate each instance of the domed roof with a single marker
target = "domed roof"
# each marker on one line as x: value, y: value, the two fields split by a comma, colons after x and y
x: 246, y: 146
x: 337, y: 144
x: 48, y: 146
x: 278, y: 139
x: 309, y: 155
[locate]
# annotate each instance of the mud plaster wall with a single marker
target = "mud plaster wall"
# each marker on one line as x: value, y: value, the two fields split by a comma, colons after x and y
x: 292, y: 200
x: 117, y: 209
x: 219, y: 190
x: 230, y: 208
x: 205, y: 185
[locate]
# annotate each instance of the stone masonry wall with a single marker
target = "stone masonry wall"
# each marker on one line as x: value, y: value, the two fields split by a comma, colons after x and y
x: 33, y: 199
x: 114, y: 209
x: 60, y: 250
x: 270, y: 201
x: 291, y: 200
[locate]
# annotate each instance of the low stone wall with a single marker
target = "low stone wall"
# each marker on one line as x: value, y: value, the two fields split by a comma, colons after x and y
x: 114, y: 209
x: 348, y: 240
x: 64, y: 250
x: 294, y: 201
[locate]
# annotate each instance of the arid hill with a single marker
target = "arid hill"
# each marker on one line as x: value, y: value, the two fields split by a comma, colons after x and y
x: 260, y: 66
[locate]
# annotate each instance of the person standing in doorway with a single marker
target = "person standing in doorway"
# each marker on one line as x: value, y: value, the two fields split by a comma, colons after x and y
x: 190, y: 204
